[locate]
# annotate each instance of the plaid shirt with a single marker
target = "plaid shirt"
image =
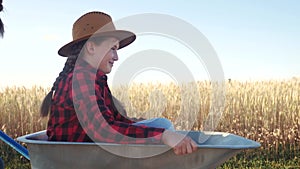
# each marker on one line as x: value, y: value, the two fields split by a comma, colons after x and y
x: 82, y: 111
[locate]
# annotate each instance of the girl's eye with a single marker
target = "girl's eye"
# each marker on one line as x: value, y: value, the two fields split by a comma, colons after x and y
x: 114, y: 47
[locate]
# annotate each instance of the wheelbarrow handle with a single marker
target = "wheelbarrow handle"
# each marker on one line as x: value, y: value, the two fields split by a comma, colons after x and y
x: 15, y: 145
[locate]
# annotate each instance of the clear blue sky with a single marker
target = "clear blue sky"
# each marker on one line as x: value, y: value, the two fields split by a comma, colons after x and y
x: 254, y: 39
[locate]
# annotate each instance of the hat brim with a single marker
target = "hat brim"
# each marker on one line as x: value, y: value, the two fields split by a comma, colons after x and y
x: 125, y: 38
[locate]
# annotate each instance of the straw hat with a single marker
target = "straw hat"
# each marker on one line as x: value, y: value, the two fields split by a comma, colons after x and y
x: 95, y: 24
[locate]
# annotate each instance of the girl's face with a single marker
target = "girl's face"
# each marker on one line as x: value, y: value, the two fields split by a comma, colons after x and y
x: 111, y: 45
x: 104, y: 52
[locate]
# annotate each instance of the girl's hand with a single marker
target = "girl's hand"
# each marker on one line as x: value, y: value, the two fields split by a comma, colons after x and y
x: 180, y: 143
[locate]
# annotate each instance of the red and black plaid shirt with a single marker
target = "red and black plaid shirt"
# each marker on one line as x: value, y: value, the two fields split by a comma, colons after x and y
x: 82, y: 111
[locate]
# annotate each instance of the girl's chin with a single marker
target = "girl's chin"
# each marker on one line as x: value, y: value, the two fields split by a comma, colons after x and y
x: 108, y: 70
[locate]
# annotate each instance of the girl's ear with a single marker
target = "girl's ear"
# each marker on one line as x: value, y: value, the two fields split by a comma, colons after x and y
x: 90, y: 47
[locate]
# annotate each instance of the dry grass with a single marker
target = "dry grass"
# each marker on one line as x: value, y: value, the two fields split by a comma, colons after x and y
x: 19, y: 108
x: 265, y: 111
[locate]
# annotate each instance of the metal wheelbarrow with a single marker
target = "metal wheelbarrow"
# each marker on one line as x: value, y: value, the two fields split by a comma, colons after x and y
x: 214, y: 148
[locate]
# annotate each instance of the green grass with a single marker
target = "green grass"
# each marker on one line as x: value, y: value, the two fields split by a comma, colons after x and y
x: 262, y: 159
x: 12, y: 159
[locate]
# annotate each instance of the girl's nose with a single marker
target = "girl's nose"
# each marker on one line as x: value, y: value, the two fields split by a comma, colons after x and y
x: 115, y: 55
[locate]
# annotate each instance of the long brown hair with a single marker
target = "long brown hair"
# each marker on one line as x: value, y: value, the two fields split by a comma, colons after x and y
x: 1, y: 23
x: 69, y: 67
x: 46, y: 104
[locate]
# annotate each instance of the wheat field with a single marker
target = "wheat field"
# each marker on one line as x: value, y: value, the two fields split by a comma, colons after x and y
x: 264, y: 111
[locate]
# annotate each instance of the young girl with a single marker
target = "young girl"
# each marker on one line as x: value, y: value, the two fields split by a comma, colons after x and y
x: 80, y: 102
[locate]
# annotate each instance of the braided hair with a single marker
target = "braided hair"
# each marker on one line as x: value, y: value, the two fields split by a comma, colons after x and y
x: 69, y: 67
x: 1, y: 23
x: 75, y: 52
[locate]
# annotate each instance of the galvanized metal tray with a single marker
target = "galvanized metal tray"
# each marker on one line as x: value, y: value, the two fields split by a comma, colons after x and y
x: 214, y: 148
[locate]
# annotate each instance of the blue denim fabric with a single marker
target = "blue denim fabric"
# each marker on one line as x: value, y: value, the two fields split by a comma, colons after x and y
x: 1, y: 164
x: 157, y: 122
